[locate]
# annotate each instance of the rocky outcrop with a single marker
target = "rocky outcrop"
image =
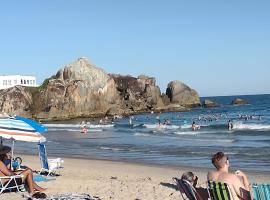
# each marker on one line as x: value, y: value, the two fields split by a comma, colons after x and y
x: 209, y: 104
x: 79, y: 89
x: 16, y: 101
x: 238, y: 101
x: 138, y: 94
x: 181, y: 94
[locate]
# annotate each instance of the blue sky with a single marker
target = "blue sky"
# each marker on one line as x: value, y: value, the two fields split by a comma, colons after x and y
x: 216, y: 47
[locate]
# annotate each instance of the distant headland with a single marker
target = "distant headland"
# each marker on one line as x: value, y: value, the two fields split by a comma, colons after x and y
x: 80, y: 89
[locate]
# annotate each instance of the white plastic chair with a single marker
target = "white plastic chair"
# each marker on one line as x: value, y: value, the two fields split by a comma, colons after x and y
x: 48, y: 165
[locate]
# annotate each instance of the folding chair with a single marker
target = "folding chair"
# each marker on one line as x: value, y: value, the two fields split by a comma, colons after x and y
x: 219, y: 191
x: 260, y: 191
x: 14, y: 184
x: 48, y: 165
x: 187, y: 190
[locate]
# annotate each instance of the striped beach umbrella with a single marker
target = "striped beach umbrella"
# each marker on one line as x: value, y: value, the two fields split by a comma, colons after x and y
x: 21, y: 129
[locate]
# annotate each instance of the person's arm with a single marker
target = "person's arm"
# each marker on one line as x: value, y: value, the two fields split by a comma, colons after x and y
x: 245, y: 179
x: 239, y: 187
x: 5, y: 170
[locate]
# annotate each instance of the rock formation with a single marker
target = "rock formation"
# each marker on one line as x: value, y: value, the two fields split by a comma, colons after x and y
x: 81, y: 89
x: 209, y: 104
x: 238, y: 101
x: 138, y: 94
x: 16, y: 100
x: 183, y: 95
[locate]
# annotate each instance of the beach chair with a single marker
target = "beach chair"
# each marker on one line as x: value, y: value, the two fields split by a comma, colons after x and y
x: 187, y: 191
x: 260, y: 191
x: 219, y: 191
x: 49, y: 166
x: 14, y: 184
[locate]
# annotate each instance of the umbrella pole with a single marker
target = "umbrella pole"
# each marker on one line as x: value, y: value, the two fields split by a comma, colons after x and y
x: 12, y: 150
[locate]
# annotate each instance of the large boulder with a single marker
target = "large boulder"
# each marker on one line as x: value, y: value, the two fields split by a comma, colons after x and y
x: 138, y: 94
x: 79, y: 89
x: 209, y: 104
x: 238, y: 101
x: 182, y: 94
x: 16, y: 101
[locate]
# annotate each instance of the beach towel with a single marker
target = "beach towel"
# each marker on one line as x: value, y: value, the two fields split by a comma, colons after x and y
x: 40, y: 178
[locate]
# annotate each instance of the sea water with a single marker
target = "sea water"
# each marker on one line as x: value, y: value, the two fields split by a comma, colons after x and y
x: 247, y: 145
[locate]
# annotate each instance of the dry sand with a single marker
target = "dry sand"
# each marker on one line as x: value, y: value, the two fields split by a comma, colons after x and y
x: 117, y: 180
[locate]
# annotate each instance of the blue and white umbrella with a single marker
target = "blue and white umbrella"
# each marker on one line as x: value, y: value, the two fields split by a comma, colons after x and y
x: 21, y: 129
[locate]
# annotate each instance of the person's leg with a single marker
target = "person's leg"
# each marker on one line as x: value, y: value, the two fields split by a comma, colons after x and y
x: 38, y: 188
x: 28, y: 179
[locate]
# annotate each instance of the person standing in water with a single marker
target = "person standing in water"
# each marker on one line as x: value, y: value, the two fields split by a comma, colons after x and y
x: 194, y: 127
x: 230, y: 125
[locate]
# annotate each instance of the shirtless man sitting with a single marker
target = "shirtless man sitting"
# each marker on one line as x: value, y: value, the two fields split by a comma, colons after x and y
x: 238, y: 181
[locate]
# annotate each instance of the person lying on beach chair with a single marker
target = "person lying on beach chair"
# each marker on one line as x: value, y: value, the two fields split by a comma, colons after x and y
x: 188, y: 185
x: 238, y: 181
x: 25, y: 176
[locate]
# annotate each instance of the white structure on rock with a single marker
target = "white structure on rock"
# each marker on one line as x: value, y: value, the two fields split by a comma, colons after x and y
x: 12, y: 80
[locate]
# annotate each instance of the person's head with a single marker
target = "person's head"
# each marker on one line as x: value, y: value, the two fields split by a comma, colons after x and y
x: 3, y: 152
x: 220, y: 160
x: 189, y: 176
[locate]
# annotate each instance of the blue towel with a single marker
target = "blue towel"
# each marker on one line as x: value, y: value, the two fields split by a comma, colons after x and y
x: 40, y: 178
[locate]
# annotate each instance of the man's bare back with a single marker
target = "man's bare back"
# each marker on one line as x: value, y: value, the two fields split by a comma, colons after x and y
x: 238, y: 181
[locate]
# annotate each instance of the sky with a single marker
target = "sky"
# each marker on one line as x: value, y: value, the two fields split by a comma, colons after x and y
x: 216, y: 47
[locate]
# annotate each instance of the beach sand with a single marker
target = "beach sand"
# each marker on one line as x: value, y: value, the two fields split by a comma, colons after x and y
x: 118, y: 180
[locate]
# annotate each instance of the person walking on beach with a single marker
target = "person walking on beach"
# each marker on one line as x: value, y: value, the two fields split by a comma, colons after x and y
x: 238, y: 181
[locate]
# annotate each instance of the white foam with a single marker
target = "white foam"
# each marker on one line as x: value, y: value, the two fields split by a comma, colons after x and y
x: 109, y: 148
x: 186, y: 126
x: 241, y: 126
x: 62, y: 125
x: 64, y: 129
x: 65, y: 126
x: 142, y: 134
x: 161, y: 126
x: 187, y: 132
x: 100, y: 125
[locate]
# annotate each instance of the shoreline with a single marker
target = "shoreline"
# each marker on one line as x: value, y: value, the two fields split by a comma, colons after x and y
x: 117, y: 179
x: 141, y: 163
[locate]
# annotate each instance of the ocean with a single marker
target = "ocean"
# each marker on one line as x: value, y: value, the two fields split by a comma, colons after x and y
x: 144, y: 141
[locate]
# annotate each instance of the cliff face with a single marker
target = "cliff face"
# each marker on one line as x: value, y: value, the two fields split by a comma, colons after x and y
x: 16, y: 100
x: 80, y: 89
x: 138, y: 94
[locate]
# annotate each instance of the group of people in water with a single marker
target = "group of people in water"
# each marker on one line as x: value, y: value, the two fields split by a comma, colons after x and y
x: 202, y: 118
x: 238, y: 181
